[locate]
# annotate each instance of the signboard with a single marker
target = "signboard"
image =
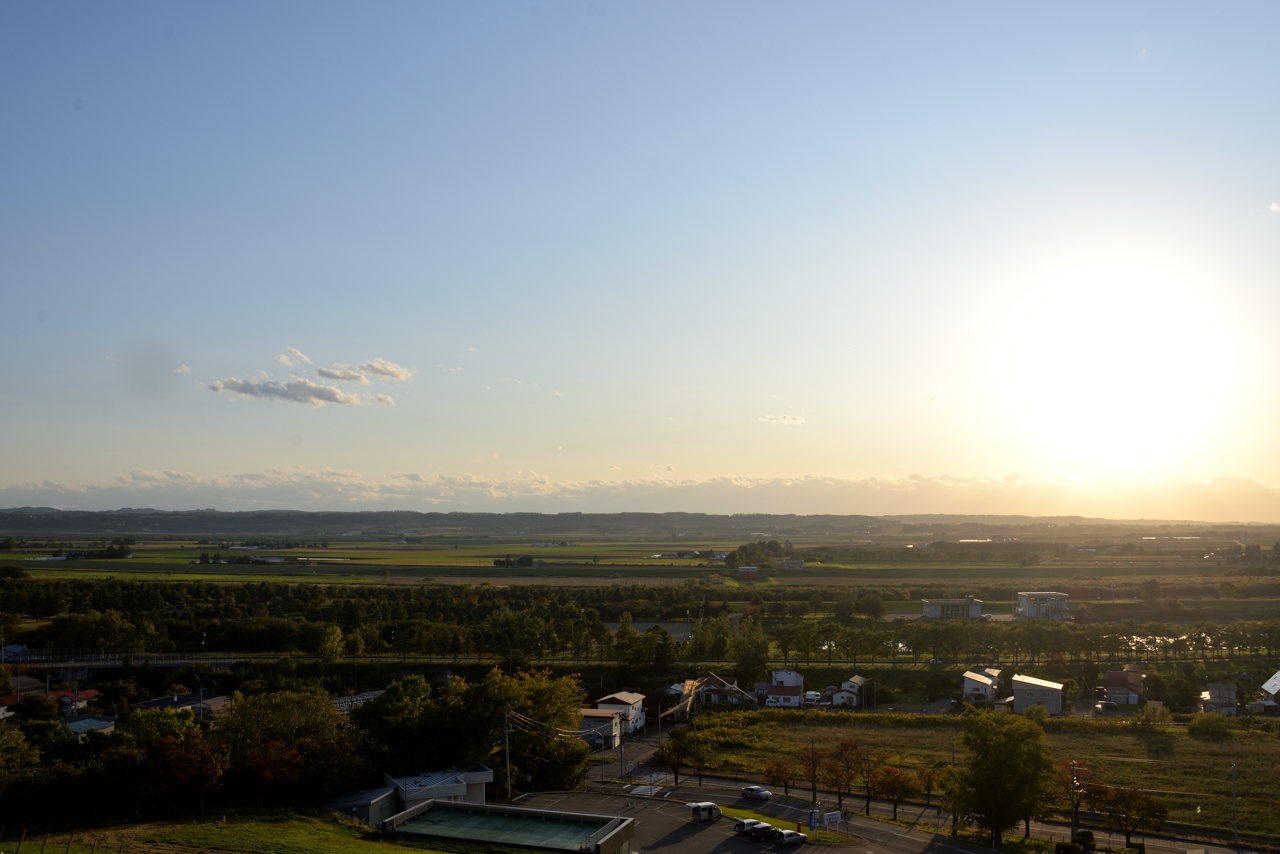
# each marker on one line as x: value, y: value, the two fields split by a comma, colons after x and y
x: 813, y: 819
x: 830, y: 818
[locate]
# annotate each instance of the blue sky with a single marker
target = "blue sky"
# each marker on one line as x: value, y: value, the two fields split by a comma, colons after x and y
x: 722, y: 257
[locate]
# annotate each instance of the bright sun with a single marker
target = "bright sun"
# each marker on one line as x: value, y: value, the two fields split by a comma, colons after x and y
x: 1114, y: 369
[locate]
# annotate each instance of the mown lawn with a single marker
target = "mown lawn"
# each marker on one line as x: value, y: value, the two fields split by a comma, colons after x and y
x: 1192, y: 776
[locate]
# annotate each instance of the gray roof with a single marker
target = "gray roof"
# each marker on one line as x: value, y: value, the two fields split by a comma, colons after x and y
x: 365, y: 797
x: 1272, y: 685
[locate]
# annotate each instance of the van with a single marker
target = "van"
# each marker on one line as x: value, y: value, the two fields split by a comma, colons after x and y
x: 704, y: 811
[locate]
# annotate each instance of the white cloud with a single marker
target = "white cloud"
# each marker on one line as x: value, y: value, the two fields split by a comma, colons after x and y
x: 1275, y: 207
x: 384, y: 400
x: 298, y: 390
x: 282, y: 359
x: 343, y: 372
x: 182, y: 369
x: 297, y: 354
x: 387, y: 370
x: 782, y: 419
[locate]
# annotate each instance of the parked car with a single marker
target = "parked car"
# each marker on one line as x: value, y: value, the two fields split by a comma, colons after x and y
x: 772, y: 702
x: 704, y: 811
x: 791, y: 837
x: 935, y: 661
x: 744, y: 825
x: 1105, y: 706
x: 759, y: 793
x: 812, y: 697
x: 762, y: 831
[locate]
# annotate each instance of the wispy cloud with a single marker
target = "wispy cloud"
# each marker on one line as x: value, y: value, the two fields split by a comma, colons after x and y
x: 384, y: 400
x: 297, y: 390
x: 182, y: 369
x: 782, y: 419
x: 298, y: 354
x: 282, y: 359
x: 1275, y: 207
x: 386, y: 370
x: 343, y: 372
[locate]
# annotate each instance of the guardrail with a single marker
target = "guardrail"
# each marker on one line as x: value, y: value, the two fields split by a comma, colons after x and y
x: 402, y: 817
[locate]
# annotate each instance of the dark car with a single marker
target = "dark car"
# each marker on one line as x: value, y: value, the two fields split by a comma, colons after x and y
x: 762, y: 832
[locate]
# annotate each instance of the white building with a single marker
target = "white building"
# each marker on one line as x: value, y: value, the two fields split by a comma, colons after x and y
x: 981, y: 687
x: 601, y: 728
x: 790, y: 678
x: 460, y: 786
x: 1029, y: 691
x: 1220, y: 698
x: 632, y: 707
x: 967, y: 608
x: 786, y: 563
x: 850, y: 692
x: 1271, y: 688
x: 784, y: 697
x: 1042, y: 606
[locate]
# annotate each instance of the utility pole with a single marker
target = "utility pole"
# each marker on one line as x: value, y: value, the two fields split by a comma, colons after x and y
x: 953, y: 749
x: 813, y: 771
x: 506, y: 741
x: 1235, y: 824
x: 1075, y: 814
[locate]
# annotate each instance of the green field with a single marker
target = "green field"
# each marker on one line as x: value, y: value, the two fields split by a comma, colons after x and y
x: 1187, y: 773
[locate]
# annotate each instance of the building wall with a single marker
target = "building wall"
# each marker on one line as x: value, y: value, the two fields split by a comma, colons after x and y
x: 1026, y: 696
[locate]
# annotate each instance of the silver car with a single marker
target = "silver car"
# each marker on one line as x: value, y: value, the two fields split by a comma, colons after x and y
x: 759, y: 793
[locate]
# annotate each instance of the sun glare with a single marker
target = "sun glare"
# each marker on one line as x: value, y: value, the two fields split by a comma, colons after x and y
x: 1114, y: 369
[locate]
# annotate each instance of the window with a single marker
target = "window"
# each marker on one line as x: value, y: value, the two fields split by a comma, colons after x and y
x: 1046, y: 693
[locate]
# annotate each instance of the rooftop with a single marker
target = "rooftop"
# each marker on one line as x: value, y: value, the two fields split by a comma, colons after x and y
x: 1039, y: 683
x: 625, y: 697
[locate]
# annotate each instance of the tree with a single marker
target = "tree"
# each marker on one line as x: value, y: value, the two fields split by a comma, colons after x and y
x: 928, y: 778
x: 840, y: 769
x: 869, y: 764
x: 953, y: 796
x: 894, y: 785
x: 1126, y: 809
x: 672, y: 754
x: 331, y: 645
x: 17, y: 757
x: 751, y: 650
x: 697, y: 756
x: 664, y: 646
x: 190, y: 763
x: 780, y: 772
x: 1008, y: 774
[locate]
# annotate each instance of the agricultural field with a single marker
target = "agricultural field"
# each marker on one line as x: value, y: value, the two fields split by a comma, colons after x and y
x: 1191, y: 775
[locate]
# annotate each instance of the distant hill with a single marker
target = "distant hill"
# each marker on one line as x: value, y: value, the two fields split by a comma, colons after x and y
x: 1024, y: 521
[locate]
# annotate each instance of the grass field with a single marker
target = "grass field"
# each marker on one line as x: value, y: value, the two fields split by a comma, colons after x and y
x: 286, y: 833
x: 1192, y: 776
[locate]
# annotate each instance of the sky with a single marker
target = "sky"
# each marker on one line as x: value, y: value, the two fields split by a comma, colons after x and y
x: 721, y: 257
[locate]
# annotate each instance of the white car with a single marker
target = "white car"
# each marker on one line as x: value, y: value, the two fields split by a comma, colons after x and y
x: 792, y: 837
x: 811, y: 698
x: 744, y: 825
x: 760, y: 793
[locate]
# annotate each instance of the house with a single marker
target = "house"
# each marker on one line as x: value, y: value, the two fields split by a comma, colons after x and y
x: 1042, y: 606
x: 1220, y: 698
x: 68, y: 702
x: 849, y: 694
x: 786, y: 563
x: 1124, y: 687
x: 982, y: 686
x: 82, y: 725
x: 716, y: 690
x: 632, y: 707
x: 789, y: 678
x: 15, y: 652
x: 204, y: 706
x: 784, y: 697
x: 746, y: 573
x: 458, y: 786
x: 1029, y: 691
x: 967, y: 608
x: 24, y: 685
x: 601, y: 728
x: 371, y: 806
x: 1271, y: 688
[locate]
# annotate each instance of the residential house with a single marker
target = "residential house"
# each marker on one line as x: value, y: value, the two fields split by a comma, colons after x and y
x: 1124, y: 687
x: 716, y: 690
x: 981, y: 687
x: 747, y: 573
x: 24, y: 685
x: 1042, y: 606
x: 787, y: 563
x: 82, y: 725
x: 1029, y: 691
x: 1220, y: 697
x: 789, y: 678
x: 849, y: 694
x: 784, y: 697
x: 1271, y: 688
x: 632, y: 707
x: 204, y: 706
x: 601, y: 728
x: 458, y: 786
x: 967, y: 608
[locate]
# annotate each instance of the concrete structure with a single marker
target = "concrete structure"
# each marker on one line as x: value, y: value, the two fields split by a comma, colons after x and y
x: 1029, y: 691
x: 601, y: 728
x: 1124, y: 687
x: 981, y: 687
x: 967, y: 608
x: 82, y: 725
x: 1220, y: 698
x: 372, y: 806
x: 632, y: 707
x: 354, y: 701
x: 516, y: 825
x: 747, y: 573
x: 444, y: 786
x: 1271, y: 688
x: 205, y: 706
x: 1042, y: 606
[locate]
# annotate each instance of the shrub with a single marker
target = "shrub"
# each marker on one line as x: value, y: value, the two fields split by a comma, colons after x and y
x: 1207, y: 725
x: 1067, y: 848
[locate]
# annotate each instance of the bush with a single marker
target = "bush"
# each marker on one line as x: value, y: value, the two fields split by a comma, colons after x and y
x: 1208, y: 725
x: 1084, y: 838
x: 1067, y: 848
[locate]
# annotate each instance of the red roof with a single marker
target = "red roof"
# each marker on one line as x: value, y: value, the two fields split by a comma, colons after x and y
x: 82, y: 696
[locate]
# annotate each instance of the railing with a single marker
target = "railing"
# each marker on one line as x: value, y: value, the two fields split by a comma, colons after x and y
x: 607, y: 830
x: 402, y: 817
